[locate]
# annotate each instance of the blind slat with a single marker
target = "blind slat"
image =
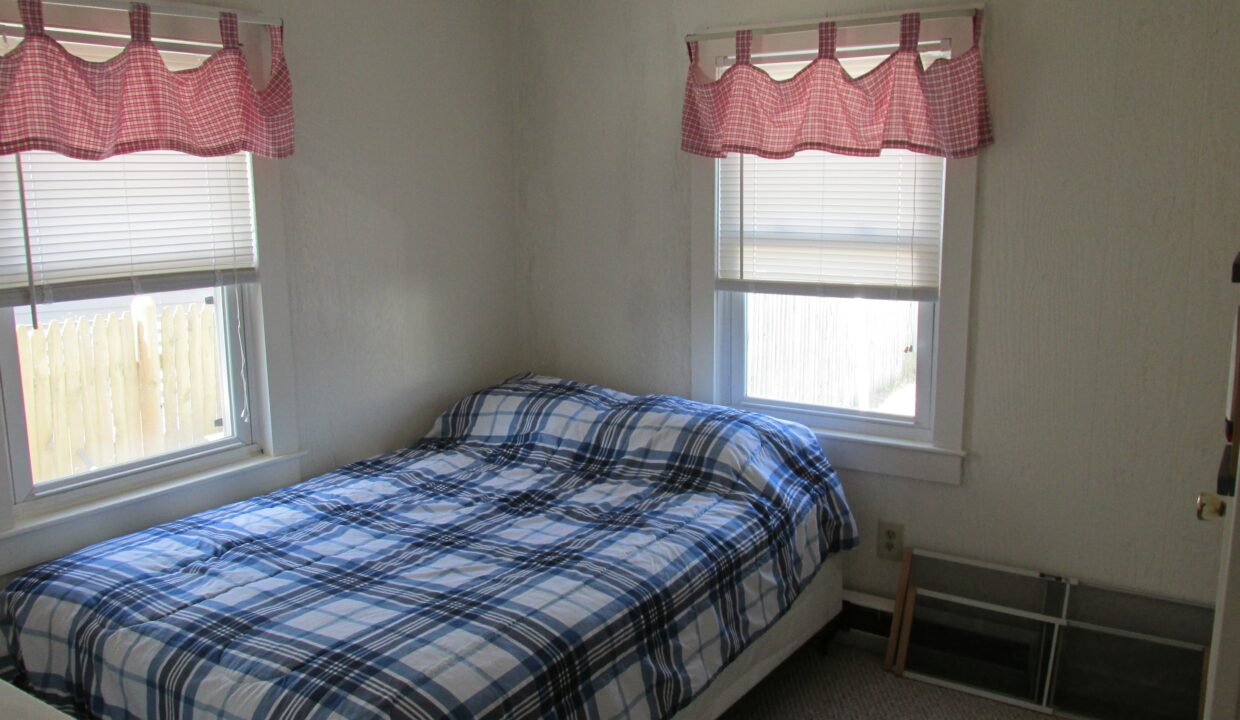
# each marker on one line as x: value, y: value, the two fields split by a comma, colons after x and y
x: 113, y: 287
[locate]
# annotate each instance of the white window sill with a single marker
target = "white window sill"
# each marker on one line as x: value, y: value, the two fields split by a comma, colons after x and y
x: 889, y: 456
x: 40, y: 534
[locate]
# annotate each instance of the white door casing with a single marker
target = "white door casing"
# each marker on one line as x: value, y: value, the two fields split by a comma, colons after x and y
x: 1222, y: 700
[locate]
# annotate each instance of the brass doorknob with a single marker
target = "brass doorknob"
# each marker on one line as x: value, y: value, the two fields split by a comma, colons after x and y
x: 1210, y: 507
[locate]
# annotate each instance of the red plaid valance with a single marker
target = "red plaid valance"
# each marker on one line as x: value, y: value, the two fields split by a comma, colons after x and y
x: 940, y: 111
x: 51, y: 100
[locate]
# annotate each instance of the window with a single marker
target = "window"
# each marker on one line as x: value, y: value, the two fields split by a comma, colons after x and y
x: 836, y: 287
x: 851, y: 355
x: 119, y: 383
x: 832, y: 262
x: 140, y: 264
x: 110, y: 381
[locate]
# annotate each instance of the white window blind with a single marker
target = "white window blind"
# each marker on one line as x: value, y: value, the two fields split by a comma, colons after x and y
x: 831, y: 225
x: 142, y: 222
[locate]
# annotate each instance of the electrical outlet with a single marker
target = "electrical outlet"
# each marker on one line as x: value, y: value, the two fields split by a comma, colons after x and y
x: 890, y: 540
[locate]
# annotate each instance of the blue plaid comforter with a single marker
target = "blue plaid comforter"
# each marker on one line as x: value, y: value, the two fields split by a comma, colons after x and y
x: 550, y: 549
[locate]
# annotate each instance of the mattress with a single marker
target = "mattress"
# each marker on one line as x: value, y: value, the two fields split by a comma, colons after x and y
x: 550, y: 549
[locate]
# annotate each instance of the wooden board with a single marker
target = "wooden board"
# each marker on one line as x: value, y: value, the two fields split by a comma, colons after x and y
x: 906, y: 629
x: 893, y: 636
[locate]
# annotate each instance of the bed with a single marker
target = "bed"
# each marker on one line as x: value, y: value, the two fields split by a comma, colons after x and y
x: 549, y: 549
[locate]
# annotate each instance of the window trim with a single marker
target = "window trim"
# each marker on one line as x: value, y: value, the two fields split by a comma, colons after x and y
x: 938, y: 455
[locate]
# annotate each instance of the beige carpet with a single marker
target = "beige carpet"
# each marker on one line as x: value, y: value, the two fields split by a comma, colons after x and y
x: 850, y: 684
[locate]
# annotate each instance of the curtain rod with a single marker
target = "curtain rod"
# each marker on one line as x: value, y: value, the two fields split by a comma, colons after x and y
x: 840, y: 22
x: 205, y: 12
x: 118, y: 40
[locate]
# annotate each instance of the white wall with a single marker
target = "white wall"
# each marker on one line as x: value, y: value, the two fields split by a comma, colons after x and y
x: 1106, y: 223
x: 398, y: 217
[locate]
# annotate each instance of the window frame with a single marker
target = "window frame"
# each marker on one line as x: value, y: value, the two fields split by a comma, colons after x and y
x: 930, y: 448
x: 234, y: 303
x: 732, y: 342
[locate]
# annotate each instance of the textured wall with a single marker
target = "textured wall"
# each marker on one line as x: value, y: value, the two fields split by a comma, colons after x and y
x: 398, y: 216
x: 1106, y: 222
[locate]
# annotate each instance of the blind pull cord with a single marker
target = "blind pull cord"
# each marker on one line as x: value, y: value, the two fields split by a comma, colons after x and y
x: 912, y: 238
x: 134, y: 281
x: 245, y: 371
x: 238, y: 300
x: 740, y: 226
x: 21, y: 199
